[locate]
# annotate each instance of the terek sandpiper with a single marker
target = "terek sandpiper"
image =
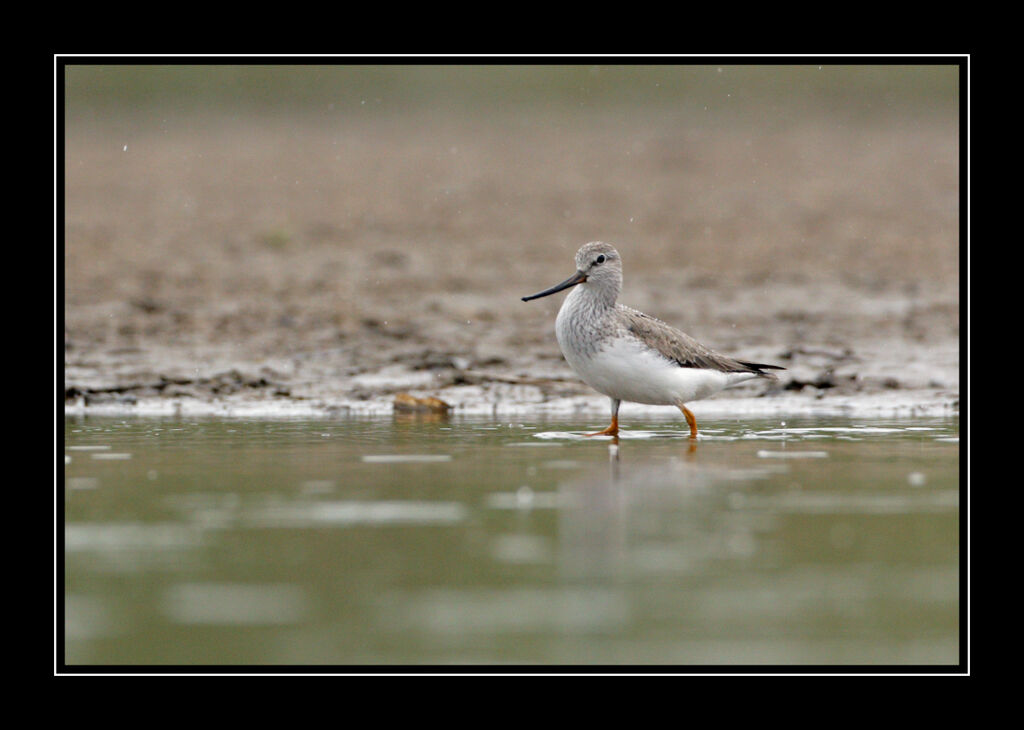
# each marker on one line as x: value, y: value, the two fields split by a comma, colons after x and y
x: 629, y: 355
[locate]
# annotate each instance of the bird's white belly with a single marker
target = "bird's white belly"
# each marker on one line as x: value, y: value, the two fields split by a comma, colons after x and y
x: 623, y: 368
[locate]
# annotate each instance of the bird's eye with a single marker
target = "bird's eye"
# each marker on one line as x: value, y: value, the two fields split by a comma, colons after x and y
x: 599, y: 259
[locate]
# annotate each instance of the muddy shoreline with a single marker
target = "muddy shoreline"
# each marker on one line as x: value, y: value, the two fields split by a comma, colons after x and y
x: 312, y: 266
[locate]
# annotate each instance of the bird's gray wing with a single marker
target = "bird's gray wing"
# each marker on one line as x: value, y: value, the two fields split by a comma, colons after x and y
x: 682, y: 349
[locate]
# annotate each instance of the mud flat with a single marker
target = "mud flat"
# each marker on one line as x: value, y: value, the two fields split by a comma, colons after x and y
x: 321, y: 264
x: 882, y: 382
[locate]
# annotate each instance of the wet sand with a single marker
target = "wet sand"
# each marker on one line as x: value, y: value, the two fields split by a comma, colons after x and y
x: 322, y: 263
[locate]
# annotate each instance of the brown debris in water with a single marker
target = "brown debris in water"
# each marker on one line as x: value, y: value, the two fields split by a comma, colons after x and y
x: 406, y: 403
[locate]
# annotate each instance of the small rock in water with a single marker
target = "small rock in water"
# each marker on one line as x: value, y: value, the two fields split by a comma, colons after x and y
x: 406, y: 403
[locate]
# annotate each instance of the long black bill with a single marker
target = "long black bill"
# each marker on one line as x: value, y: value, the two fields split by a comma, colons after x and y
x: 578, y: 278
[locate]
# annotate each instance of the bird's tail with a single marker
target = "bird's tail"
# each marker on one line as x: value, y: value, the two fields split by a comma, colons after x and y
x: 759, y: 368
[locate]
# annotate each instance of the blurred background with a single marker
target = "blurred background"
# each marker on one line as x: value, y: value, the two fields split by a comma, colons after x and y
x: 220, y: 215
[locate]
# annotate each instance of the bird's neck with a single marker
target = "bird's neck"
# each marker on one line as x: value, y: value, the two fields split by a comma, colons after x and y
x: 598, y: 299
x: 582, y: 321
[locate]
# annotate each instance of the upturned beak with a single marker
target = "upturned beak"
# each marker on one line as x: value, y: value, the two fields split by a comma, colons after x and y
x: 578, y: 278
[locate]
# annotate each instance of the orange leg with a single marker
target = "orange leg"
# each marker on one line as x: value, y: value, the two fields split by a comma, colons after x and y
x: 690, y: 419
x: 612, y: 430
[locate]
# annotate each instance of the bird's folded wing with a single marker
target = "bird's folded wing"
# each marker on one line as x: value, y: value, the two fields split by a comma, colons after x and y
x: 680, y: 347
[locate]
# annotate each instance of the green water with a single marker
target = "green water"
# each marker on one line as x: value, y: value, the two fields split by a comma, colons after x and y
x: 386, y: 542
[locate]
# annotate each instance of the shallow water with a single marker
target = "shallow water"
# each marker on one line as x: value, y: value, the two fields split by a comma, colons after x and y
x: 416, y: 542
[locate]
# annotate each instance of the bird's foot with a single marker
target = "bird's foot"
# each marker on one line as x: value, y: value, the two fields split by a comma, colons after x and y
x: 612, y: 430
